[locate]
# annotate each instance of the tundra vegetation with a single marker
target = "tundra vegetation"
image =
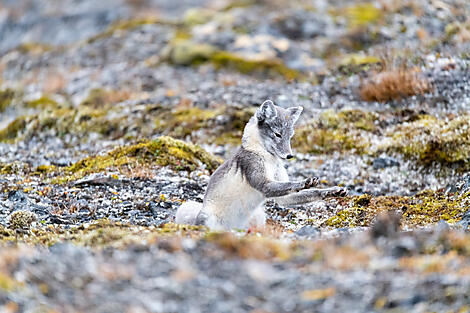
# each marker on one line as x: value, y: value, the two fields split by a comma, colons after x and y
x: 107, y: 126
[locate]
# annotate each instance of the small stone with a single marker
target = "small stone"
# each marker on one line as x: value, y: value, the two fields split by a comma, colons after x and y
x: 384, y: 162
x: 308, y: 230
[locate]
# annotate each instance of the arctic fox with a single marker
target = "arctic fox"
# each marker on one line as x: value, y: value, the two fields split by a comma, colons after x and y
x: 237, y: 190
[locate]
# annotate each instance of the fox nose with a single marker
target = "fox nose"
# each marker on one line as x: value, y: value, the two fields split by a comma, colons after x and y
x: 289, y: 156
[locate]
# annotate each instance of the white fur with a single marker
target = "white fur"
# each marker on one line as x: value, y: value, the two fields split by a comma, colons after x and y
x: 232, y: 209
x: 187, y: 212
x: 233, y: 202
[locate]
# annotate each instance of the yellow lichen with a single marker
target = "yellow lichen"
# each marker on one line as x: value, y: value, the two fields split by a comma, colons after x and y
x: 429, y: 140
x: 336, y: 131
x: 163, y: 151
x: 425, y: 208
x: 10, y: 132
x: 269, y: 67
x: 6, y: 96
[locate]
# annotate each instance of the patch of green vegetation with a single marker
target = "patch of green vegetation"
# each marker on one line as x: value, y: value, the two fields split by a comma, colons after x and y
x: 332, y: 131
x: 187, y: 52
x: 127, y: 25
x: 99, y: 234
x: 184, y: 122
x: 163, y: 151
x: 195, y: 16
x: 11, y: 131
x: 6, y: 96
x: 425, y: 208
x: 430, y: 140
x: 45, y: 170
x: 43, y: 102
x: 239, y: 4
x: 8, y: 283
x: 358, y: 60
x: 224, y: 59
x: 100, y: 98
x: 6, y: 168
x: 361, y: 14
x: 33, y: 48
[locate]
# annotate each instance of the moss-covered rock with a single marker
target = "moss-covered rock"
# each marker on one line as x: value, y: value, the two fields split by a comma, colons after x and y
x: 223, y: 125
x: 360, y: 14
x: 12, y: 130
x: 187, y: 52
x: 195, y: 16
x: 127, y: 25
x: 163, y: 151
x: 99, y: 234
x: 6, y: 96
x: 346, y: 130
x: 425, y: 208
x: 44, y: 102
x: 268, y: 67
x: 430, y: 140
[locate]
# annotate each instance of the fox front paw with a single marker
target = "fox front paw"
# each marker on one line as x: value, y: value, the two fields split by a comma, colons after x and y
x: 336, y: 192
x: 310, y: 182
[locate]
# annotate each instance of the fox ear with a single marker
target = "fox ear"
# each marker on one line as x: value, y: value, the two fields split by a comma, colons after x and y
x: 266, y: 111
x: 295, y: 113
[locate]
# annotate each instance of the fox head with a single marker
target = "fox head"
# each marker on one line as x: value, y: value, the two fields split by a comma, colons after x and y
x: 276, y: 128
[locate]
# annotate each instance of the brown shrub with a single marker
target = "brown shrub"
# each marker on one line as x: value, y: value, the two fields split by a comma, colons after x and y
x: 393, y: 84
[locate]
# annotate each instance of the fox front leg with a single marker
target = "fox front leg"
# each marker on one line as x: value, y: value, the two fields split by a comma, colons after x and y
x: 277, y: 189
x: 309, y: 195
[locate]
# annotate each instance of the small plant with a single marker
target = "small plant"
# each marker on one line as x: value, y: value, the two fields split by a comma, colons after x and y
x: 22, y: 219
x: 393, y: 84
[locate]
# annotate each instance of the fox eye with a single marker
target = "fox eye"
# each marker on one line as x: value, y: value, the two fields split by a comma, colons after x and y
x: 277, y: 135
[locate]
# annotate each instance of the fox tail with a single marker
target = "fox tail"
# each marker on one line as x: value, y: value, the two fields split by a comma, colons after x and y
x: 187, y: 213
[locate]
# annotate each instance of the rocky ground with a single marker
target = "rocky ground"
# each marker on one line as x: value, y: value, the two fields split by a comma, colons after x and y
x: 114, y: 113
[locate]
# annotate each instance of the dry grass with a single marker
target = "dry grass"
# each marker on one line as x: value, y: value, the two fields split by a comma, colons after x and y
x: 393, y: 84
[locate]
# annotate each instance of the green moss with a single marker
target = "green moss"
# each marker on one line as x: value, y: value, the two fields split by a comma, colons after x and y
x: 8, y: 283
x: 224, y: 59
x: 425, y: 208
x: 183, y: 123
x: 186, y: 52
x: 11, y: 131
x: 195, y: 16
x: 33, y: 48
x: 163, y: 151
x: 6, y: 168
x: 357, y: 59
x: 350, y: 217
x: 361, y: 14
x: 127, y: 25
x: 100, y: 234
x: 45, y: 170
x: 332, y: 131
x: 99, y: 98
x: 430, y: 140
x: 43, y: 102
x: 6, y: 97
